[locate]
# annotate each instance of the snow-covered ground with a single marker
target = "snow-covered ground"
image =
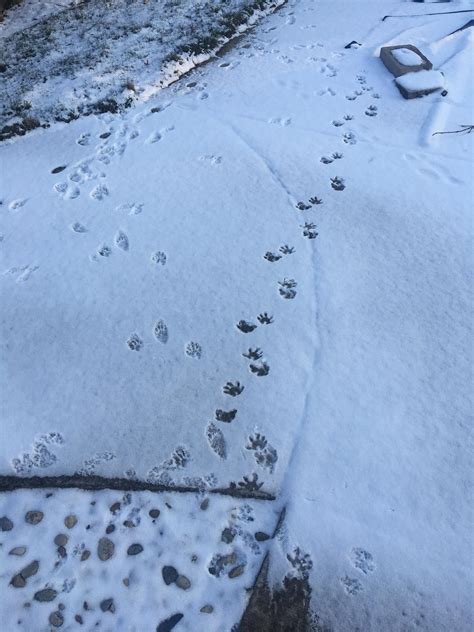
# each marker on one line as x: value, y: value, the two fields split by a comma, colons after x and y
x: 289, y: 182
x: 99, y: 56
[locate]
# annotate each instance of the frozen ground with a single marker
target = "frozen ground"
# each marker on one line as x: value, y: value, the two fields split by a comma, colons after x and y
x: 126, y: 273
x: 99, y: 56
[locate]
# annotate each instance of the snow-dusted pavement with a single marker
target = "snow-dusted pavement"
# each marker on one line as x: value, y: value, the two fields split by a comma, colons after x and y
x: 263, y: 272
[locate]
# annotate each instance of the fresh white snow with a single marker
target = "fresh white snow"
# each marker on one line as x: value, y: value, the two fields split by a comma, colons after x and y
x: 406, y: 56
x: 124, y: 276
x: 421, y: 80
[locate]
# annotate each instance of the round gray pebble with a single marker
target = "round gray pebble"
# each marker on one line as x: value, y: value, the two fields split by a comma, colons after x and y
x: 6, y: 524
x: 134, y: 549
x: 105, y: 549
x: 107, y: 605
x: 56, y: 619
x: 47, y: 594
x: 18, y: 550
x: 170, y: 574
x: 183, y: 582
x: 70, y: 521
x: 61, y: 539
x: 34, y: 517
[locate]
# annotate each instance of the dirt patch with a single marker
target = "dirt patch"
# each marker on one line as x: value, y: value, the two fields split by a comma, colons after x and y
x: 282, y: 608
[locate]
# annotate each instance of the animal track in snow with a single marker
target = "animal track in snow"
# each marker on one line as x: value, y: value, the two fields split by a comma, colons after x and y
x: 309, y: 230
x: 135, y: 343
x: 253, y: 354
x: 338, y: 123
x: 260, y: 370
x: 132, y: 208
x: 72, y: 192
x: 89, y: 465
x: 216, y: 440
x: 315, y: 201
x: 287, y: 288
x: 226, y: 416
x: 193, y: 350
x: 351, y: 586
x: 58, y: 169
x: 40, y: 454
x: 159, y: 258
x: 265, y: 319
x: 77, y: 227
x: 284, y: 122
x: 363, y: 560
x: 121, y: 240
x: 82, y: 173
x: 214, y: 160
x: 348, y: 117
x: 160, y: 331
x: 338, y: 184
x: 84, y: 139
x: 286, y: 250
x: 302, y: 206
x: 233, y: 389
x: 22, y: 273
x: 271, y: 256
x: 349, y: 138
x: 371, y: 110
x: 16, y: 205
x: 99, y: 192
x: 245, y: 327
x: 153, y: 138
x: 104, y: 251
x: 265, y: 454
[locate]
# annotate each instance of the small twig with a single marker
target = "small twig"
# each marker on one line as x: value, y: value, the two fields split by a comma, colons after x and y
x: 465, y: 129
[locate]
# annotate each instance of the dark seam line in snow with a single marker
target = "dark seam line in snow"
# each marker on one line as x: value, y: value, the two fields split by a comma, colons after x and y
x: 11, y: 483
x: 270, y: 168
x: 422, y: 15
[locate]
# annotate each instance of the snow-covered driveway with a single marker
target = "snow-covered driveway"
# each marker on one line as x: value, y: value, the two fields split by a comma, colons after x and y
x: 264, y: 273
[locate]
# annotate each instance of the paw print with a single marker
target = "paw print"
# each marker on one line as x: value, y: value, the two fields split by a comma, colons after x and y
x: 248, y: 483
x: 309, y: 230
x: 265, y: 319
x: 193, y: 350
x: 226, y: 416
x: 256, y: 441
x: 160, y: 331
x: 135, y: 343
x: 272, y: 257
x: 348, y: 117
x: 349, y: 138
x: 338, y: 184
x: 337, y: 123
x: 337, y: 155
x: 325, y: 160
x: 301, y: 206
x: 315, y: 201
x: 233, y: 389
x: 287, y: 250
x: 159, y: 258
x: 253, y: 354
x: 371, y: 110
x: 260, y: 369
x: 287, y: 288
x: 245, y: 327
x: 104, y: 251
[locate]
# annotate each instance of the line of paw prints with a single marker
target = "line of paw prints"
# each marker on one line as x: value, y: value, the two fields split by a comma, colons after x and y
x: 363, y: 561
x: 160, y: 332
x: 41, y: 454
